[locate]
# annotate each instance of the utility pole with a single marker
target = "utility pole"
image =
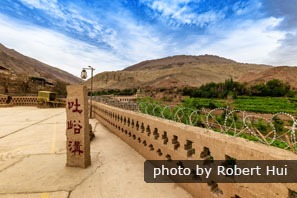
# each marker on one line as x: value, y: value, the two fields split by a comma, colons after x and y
x: 84, y: 76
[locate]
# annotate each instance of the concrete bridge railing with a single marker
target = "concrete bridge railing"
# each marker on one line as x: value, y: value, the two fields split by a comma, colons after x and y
x: 160, y: 139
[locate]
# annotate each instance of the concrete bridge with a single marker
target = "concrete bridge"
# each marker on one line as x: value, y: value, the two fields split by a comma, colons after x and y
x: 32, y: 156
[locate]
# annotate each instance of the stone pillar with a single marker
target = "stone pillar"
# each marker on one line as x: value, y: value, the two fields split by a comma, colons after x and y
x: 77, y: 127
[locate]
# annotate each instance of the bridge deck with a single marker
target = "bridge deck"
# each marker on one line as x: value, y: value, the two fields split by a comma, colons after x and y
x: 32, y: 161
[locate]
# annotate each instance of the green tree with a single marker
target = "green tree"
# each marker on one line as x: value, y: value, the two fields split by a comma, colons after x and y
x: 274, y: 88
x: 277, y: 88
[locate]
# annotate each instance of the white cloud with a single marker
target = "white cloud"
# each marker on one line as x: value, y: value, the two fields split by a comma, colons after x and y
x: 250, y: 41
x: 50, y: 6
x: 135, y: 42
x: 138, y: 43
x: 71, y: 18
x: 241, y: 8
x: 56, y: 49
x: 285, y: 54
x: 179, y: 12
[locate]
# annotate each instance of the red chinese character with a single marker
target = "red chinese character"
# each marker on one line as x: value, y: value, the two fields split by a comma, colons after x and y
x: 77, y: 127
x: 75, y: 147
x: 69, y: 124
x: 76, y: 105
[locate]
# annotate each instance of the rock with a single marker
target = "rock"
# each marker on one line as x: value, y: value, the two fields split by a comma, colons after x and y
x: 92, y: 135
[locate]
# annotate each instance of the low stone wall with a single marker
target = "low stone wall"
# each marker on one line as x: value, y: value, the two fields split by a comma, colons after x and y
x: 3, y: 100
x: 24, y: 101
x: 19, y: 101
x: 28, y: 101
x: 159, y: 139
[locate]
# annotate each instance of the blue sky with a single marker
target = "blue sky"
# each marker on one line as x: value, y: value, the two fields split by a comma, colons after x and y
x: 113, y: 34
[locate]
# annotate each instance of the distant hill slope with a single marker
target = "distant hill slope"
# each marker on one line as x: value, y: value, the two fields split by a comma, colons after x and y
x: 283, y: 73
x: 178, y: 61
x: 176, y: 71
x: 21, y: 65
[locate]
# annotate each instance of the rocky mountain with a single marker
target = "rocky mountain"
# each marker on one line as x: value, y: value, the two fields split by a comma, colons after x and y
x: 283, y: 73
x: 178, y: 61
x: 176, y: 71
x: 16, y: 68
x: 20, y: 64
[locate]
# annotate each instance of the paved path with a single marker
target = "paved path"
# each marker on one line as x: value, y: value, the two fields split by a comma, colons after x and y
x: 32, y: 161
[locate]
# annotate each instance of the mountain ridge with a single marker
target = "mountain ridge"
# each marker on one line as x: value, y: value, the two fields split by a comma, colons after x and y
x: 177, y: 60
x: 284, y: 73
x: 20, y: 74
x: 175, y: 72
x: 21, y: 64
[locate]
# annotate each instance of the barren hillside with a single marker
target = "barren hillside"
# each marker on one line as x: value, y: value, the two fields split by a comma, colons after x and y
x: 22, y: 65
x: 176, y: 71
x: 283, y: 73
x: 178, y: 61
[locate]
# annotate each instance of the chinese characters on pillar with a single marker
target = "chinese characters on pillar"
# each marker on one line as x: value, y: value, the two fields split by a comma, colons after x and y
x: 76, y: 127
x: 74, y: 106
x: 74, y: 146
x: 78, y: 142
